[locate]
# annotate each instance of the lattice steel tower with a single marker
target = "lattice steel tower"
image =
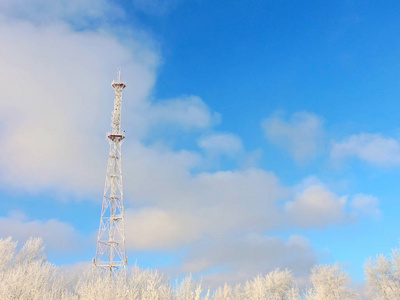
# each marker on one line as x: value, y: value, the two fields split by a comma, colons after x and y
x: 110, y: 252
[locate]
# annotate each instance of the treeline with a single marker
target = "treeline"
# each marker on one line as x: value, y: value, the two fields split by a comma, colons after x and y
x: 26, y: 274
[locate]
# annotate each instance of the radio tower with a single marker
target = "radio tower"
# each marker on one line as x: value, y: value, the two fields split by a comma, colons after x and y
x: 110, y: 252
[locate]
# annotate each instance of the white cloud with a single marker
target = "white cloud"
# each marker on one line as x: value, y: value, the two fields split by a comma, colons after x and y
x: 252, y: 159
x: 300, y: 135
x: 221, y: 143
x: 211, y: 204
x: 55, y: 100
x: 53, y: 92
x: 366, y: 205
x: 156, y: 175
x: 186, y: 113
x: 149, y: 229
x: 79, y: 12
x: 316, y: 207
x: 371, y: 148
x: 241, y: 258
x: 220, y: 216
x: 57, y: 235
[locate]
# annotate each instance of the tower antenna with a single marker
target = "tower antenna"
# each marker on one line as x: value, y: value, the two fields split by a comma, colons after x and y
x: 110, y: 251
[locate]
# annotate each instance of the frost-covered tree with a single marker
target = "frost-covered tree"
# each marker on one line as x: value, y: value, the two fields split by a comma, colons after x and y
x: 136, y: 285
x: 383, y: 276
x: 27, y: 274
x: 329, y: 283
x: 224, y: 293
x: 239, y: 292
x: 277, y: 285
x: 7, y: 253
x: 188, y: 290
x: 280, y: 285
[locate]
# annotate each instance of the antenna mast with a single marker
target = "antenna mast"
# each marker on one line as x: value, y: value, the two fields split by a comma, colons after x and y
x: 110, y: 252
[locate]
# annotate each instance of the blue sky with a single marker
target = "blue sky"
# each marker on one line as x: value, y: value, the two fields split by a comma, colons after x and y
x: 260, y: 134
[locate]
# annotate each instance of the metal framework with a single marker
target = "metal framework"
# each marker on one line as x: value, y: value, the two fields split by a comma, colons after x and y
x: 110, y: 252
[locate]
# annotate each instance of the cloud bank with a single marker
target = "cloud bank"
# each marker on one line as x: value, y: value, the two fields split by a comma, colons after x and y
x: 374, y: 149
x: 57, y: 235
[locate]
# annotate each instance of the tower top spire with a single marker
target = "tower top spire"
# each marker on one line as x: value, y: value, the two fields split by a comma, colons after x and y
x: 118, y: 84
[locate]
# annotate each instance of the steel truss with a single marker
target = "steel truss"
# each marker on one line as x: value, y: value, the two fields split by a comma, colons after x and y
x: 110, y: 252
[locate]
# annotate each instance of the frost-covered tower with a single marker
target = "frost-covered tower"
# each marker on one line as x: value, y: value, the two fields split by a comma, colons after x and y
x: 110, y: 252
